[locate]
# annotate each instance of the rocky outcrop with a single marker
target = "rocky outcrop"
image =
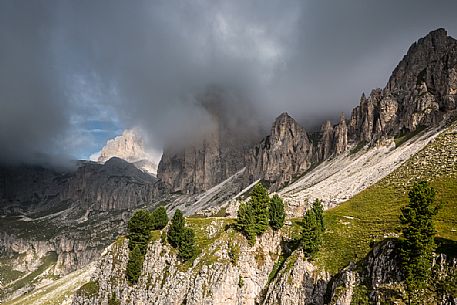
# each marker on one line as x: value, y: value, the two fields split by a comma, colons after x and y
x: 130, y: 146
x: 420, y: 92
x: 286, y: 152
x: 378, y: 279
x: 303, y: 283
x: 230, y: 272
x: 340, y: 143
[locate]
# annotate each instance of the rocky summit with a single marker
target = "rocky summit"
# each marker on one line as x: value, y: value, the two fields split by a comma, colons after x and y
x: 131, y: 147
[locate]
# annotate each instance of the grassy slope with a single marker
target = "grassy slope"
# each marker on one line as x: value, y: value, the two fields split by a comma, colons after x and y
x: 373, y: 214
x: 31, y: 278
x: 55, y: 293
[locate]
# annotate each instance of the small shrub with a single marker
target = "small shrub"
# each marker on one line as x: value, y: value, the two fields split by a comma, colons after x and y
x: 113, y: 300
x: 233, y: 252
x: 90, y: 289
x: 260, y: 257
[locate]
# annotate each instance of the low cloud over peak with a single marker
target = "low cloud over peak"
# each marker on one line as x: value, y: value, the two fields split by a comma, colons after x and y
x: 69, y: 67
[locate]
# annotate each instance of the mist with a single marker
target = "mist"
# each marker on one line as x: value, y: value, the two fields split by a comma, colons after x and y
x: 68, y: 64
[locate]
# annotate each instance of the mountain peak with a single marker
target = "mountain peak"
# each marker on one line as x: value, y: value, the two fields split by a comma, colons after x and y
x: 429, y: 61
x: 284, y: 118
x: 130, y: 147
x: 440, y: 32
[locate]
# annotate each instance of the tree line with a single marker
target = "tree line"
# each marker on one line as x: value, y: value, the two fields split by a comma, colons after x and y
x: 260, y: 212
x: 140, y: 226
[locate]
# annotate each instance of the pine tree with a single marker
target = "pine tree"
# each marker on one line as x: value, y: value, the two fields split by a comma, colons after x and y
x: 159, y: 218
x: 176, y: 228
x: 318, y: 210
x: 417, y: 244
x: 139, y: 228
x: 311, y: 234
x: 277, y: 213
x: 259, y: 202
x: 245, y: 222
x: 134, y: 265
x: 187, y: 244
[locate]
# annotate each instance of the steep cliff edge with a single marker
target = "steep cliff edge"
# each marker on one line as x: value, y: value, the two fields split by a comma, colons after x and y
x: 287, y: 153
x: 421, y: 90
x: 230, y: 272
x: 227, y: 271
x: 215, y: 154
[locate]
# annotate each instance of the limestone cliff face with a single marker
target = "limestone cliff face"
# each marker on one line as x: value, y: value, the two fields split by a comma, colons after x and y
x: 115, y: 185
x: 129, y: 146
x: 332, y: 141
x: 288, y: 153
x: 281, y: 155
x: 219, y: 277
x: 74, y: 213
x: 213, y: 156
x: 421, y: 90
x: 197, y: 167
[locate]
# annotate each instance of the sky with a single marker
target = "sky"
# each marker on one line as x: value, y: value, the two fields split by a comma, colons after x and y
x: 76, y: 73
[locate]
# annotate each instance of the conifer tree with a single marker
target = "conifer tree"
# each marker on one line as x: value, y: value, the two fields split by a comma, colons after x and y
x: 417, y: 244
x: 259, y: 202
x: 139, y: 228
x: 245, y: 222
x: 187, y: 244
x: 277, y: 213
x: 159, y: 218
x: 311, y: 234
x: 318, y: 210
x: 176, y: 228
x: 134, y: 265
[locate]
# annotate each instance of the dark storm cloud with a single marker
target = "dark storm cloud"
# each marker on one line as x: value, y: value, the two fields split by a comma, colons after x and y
x: 31, y: 115
x: 142, y: 63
